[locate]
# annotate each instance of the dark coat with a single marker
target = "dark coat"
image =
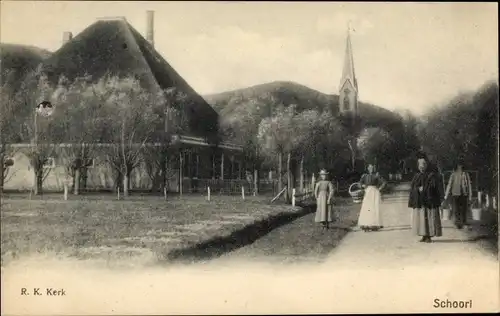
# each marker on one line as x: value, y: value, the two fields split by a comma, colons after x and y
x: 432, y: 193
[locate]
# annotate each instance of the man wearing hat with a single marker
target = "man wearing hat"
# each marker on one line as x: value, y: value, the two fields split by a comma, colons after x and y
x: 323, y: 192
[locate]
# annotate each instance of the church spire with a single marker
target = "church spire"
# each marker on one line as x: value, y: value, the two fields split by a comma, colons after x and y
x: 348, y: 90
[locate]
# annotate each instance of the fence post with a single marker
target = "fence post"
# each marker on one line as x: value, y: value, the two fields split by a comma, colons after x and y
x: 479, y: 198
x: 487, y: 201
x: 293, y: 197
x: 165, y: 193
x: 208, y: 193
x: 65, y: 192
x: 118, y: 193
x: 494, y: 203
x: 243, y: 192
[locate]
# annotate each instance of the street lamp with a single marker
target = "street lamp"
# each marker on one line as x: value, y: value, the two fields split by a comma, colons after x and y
x: 45, y: 109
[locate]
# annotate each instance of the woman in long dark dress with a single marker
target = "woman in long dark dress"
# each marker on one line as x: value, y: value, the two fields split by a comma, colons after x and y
x: 425, y: 199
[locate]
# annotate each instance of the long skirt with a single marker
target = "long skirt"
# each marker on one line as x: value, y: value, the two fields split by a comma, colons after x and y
x: 426, y: 222
x: 370, y: 216
x: 323, y: 210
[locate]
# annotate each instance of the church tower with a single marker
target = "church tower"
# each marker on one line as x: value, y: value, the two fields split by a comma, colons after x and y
x: 348, y: 90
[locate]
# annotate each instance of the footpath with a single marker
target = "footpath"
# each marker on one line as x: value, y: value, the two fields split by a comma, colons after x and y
x: 392, y: 271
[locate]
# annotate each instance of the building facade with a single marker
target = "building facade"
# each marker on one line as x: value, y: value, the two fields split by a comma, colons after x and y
x: 112, y: 47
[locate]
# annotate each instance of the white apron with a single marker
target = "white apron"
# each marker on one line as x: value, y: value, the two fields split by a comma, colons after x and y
x: 369, y: 215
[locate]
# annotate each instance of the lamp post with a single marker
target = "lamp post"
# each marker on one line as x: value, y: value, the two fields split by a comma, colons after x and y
x: 45, y: 109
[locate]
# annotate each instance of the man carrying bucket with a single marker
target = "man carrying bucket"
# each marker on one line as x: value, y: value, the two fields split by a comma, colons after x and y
x: 460, y: 187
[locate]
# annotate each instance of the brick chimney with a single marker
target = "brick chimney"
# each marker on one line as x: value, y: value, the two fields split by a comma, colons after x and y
x: 150, y: 33
x: 67, y: 36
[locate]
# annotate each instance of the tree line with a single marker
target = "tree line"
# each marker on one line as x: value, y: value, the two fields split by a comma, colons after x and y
x: 466, y: 127
x: 274, y: 134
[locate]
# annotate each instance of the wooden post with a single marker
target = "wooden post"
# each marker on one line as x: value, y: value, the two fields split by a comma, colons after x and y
x: 213, y: 166
x: 280, y: 166
x: 255, y: 182
x: 222, y: 167
x: 243, y: 192
x: 118, y: 192
x: 65, y: 192
x: 165, y: 192
x: 479, y: 198
x: 181, y: 166
x: 208, y: 193
x: 240, y: 165
x: 231, y: 174
x: 301, y: 187
x: 293, y: 197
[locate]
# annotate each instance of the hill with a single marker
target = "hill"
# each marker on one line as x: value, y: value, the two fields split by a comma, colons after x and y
x: 229, y: 104
x: 16, y: 61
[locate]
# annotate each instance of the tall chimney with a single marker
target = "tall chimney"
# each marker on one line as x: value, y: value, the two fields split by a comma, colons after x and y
x: 150, y: 17
x: 67, y: 36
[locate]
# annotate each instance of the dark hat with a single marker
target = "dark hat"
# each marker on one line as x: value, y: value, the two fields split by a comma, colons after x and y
x: 422, y: 155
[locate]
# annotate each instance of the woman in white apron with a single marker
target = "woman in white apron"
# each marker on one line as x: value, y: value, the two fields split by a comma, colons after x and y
x: 370, y: 218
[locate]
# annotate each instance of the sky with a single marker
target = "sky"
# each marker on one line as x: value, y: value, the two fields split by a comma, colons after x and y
x: 406, y: 55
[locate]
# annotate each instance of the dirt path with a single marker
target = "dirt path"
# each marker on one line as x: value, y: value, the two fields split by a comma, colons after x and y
x: 396, y: 246
x: 389, y: 270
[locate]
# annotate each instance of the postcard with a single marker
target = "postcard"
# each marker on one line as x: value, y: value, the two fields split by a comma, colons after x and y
x: 226, y: 157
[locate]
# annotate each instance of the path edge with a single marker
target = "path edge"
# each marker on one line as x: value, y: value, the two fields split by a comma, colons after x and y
x: 219, y: 245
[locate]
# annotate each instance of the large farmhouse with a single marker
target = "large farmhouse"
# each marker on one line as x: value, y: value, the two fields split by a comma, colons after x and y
x: 111, y: 46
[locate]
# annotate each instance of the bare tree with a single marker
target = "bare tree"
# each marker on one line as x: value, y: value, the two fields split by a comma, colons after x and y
x: 9, y: 113
x: 132, y: 121
x: 276, y: 138
x: 159, y: 159
x: 81, y: 119
x: 38, y: 129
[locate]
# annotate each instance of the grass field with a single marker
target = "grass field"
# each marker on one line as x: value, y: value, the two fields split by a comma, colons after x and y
x: 303, y: 240
x: 140, y: 230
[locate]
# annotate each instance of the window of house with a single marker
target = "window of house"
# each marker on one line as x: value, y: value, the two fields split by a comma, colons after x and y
x: 186, y: 165
x: 8, y: 161
x: 90, y: 163
x: 196, y: 166
x: 50, y: 162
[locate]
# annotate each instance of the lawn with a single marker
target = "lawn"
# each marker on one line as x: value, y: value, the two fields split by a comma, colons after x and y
x: 303, y: 240
x: 140, y: 230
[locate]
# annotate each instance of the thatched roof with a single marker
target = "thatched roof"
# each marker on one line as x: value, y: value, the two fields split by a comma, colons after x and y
x: 115, y: 48
x: 17, y: 61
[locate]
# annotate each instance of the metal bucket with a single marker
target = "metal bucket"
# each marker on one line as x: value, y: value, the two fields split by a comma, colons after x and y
x: 445, y: 214
x: 476, y: 213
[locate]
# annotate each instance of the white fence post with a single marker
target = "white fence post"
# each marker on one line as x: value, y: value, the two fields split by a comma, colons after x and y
x: 479, y: 198
x: 487, y: 201
x: 208, y: 193
x: 494, y: 203
x: 293, y: 197
x: 165, y: 193
x: 243, y: 192
x: 65, y: 192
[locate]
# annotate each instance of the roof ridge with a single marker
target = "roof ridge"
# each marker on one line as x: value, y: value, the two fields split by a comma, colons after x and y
x: 132, y: 38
